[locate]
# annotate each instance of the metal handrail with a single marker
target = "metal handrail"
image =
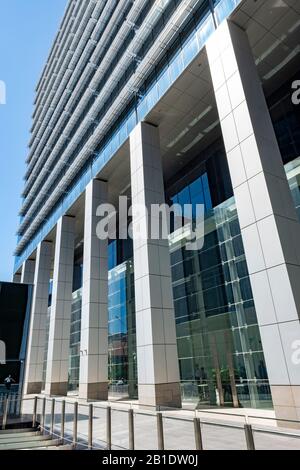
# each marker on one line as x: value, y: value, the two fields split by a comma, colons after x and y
x: 87, y: 440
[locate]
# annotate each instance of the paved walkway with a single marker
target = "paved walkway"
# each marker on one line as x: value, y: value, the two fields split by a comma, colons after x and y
x: 221, y: 428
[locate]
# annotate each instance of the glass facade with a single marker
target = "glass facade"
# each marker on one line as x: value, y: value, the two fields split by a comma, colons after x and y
x: 220, y: 352
x: 74, y: 357
x: 293, y: 175
x: 286, y: 120
x: 122, y: 368
x: 219, y: 346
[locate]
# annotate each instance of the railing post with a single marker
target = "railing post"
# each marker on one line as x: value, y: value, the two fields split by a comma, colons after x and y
x: 5, y: 412
x: 249, y: 437
x: 75, y: 425
x: 18, y: 404
x: 131, y: 428
x: 34, y: 414
x: 160, y: 432
x: 43, y: 415
x: 63, y: 419
x: 198, y: 434
x: 15, y: 407
x: 108, y: 427
x: 52, y: 416
x: 90, y: 431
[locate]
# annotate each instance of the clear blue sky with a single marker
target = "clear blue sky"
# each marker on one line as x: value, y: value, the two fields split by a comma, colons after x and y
x: 27, y: 30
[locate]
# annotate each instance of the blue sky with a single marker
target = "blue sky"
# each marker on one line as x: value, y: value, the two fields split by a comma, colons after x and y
x: 27, y: 30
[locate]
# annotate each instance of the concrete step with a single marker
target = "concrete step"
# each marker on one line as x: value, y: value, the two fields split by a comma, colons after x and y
x: 31, y: 438
x: 19, y: 434
x: 65, y: 447
x: 24, y: 431
x: 30, y: 445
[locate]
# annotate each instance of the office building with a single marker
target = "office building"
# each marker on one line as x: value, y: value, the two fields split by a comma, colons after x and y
x: 167, y: 101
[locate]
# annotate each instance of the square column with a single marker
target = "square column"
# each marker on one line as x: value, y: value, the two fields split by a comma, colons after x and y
x: 157, y: 356
x: 269, y: 223
x: 93, y: 382
x: 37, y: 329
x: 60, y: 315
x: 27, y: 275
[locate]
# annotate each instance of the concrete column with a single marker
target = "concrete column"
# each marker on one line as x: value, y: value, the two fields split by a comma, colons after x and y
x: 157, y: 356
x: 93, y: 382
x: 269, y: 224
x: 16, y: 278
x: 37, y: 329
x: 60, y: 315
x: 27, y: 275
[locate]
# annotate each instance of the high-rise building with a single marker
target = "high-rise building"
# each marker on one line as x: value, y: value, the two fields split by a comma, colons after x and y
x: 178, y: 102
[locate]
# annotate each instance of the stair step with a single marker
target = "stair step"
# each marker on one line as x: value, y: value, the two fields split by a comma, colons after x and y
x: 30, y: 445
x: 17, y: 430
x: 17, y: 439
x: 62, y: 447
x: 18, y: 434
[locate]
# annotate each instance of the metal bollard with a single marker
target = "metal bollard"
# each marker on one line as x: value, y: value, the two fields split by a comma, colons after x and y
x: 198, y: 434
x: 131, y: 429
x: 90, y: 431
x: 75, y: 425
x: 160, y: 432
x: 5, y: 412
x: 108, y: 427
x: 43, y: 415
x: 52, y: 416
x: 249, y: 437
x: 34, y: 414
x: 63, y: 420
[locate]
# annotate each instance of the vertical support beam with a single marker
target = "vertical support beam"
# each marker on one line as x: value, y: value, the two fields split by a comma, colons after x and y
x: 37, y: 330
x: 63, y: 420
x: 28, y: 269
x: 108, y: 428
x: 43, y: 417
x: 93, y: 381
x: 60, y: 316
x: 198, y: 434
x: 249, y: 437
x: 160, y: 431
x: 5, y: 412
x: 269, y: 223
x: 52, y: 419
x: 34, y: 414
x: 75, y: 425
x: 157, y: 356
x: 90, y: 428
x: 131, y: 429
